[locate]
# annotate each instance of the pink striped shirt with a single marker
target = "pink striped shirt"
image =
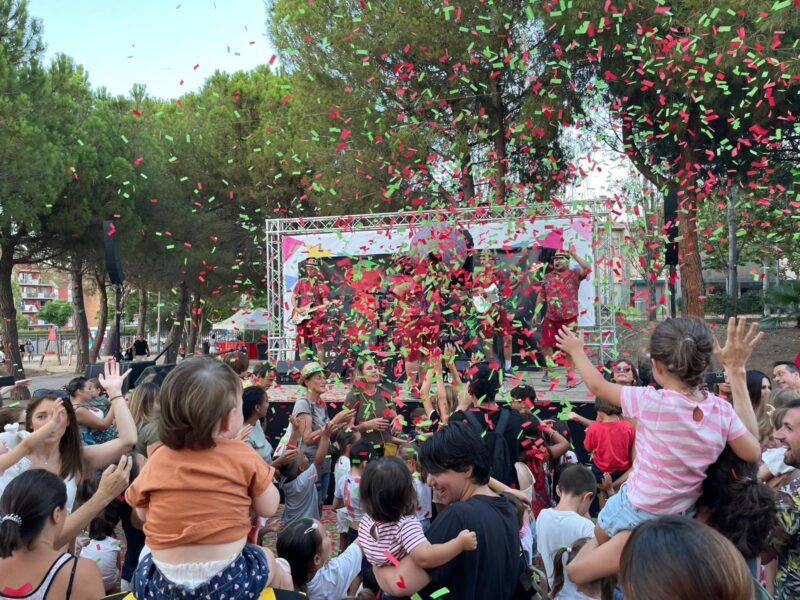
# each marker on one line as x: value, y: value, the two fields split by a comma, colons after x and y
x: 673, y: 451
x: 384, y: 542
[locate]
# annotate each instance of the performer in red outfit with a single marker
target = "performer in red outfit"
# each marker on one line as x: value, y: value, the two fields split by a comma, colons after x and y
x: 493, y: 286
x: 560, y: 292
x: 310, y: 299
x: 415, y: 318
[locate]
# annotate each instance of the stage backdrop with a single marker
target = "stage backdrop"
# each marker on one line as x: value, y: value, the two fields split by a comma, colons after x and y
x: 360, y: 257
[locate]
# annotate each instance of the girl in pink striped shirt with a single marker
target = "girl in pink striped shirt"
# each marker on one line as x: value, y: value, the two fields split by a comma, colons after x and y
x: 390, y: 529
x: 681, y: 430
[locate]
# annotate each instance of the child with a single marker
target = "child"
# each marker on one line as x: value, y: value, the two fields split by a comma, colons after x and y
x: 347, y: 493
x: 561, y: 526
x: 389, y: 530
x: 104, y: 549
x: 523, y: 398
x: 343, y: 441
x: 424, y: 493
x: 300, y: 477
x: 305, y: 550
x: 564, y: 589
x: 610, y: 439
x: 524, y: 524
x: 195, y: 492
x: 681, y: 430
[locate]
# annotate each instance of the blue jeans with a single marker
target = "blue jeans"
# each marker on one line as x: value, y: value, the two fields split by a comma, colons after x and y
x: 244, y: 578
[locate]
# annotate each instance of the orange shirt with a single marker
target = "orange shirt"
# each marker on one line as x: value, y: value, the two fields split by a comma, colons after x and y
x: 199, y: 496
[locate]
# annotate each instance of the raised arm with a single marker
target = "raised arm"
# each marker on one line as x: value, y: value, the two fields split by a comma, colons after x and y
x: 738, y: 347
x: 583, y: 264
x: 425, y: 393
x: 573, y: 345
x: 322, y: 449
x: 102, y: 455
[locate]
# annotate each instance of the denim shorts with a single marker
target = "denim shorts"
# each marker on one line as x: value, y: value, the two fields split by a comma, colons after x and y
x: 244, y: 578
x: 619, y: 514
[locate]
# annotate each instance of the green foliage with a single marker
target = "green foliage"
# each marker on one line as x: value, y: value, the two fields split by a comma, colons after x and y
x: 785, y: 299
x: 56, y: 312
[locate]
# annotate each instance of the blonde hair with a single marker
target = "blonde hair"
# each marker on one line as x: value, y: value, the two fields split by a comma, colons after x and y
x: 195, y: 397
x: 143, y: 402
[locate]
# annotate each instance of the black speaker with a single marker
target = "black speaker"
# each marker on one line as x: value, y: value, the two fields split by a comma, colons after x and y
x: 155, y: 373
x: 93, y: 370
x: 6, y: 381
x: 261, y: 347
x: 113, y: 257
x: 137, y: 368
x: 671, y: 225
x: 287, y: 372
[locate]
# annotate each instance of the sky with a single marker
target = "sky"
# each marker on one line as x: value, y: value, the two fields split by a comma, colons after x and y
x: 155, y: 42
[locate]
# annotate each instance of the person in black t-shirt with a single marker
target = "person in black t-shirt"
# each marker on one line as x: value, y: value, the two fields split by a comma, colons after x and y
x: 140, y: 348
x: 482, y: 395
x: 457, y: 463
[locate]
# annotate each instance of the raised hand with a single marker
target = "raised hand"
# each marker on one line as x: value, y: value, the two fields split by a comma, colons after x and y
x: 569, y: 342
x: 739, y: 344
x: 111, y: 379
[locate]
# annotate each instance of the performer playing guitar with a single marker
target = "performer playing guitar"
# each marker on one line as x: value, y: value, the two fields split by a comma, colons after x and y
x: 309, y: 302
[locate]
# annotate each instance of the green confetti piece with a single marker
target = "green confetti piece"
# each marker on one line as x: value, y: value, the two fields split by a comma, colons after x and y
x: 440, y: 592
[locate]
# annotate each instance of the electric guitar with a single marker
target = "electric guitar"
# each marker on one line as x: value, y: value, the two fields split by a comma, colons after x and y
x: 301, y: 315
x: 483, y: 302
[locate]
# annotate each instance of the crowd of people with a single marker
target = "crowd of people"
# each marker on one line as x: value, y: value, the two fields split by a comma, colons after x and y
x: 684, y: 486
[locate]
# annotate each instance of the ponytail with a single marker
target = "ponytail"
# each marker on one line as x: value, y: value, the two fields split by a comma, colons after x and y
x: 561, y: 558
x: 298, y: 544
x: 26, y: 504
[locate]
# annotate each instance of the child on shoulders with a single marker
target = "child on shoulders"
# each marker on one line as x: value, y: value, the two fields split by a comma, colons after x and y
x: 195, y: 493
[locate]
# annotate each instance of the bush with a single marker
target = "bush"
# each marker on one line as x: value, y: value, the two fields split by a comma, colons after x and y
x: 750, y: 302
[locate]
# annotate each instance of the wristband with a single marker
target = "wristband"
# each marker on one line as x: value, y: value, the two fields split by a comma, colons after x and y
x: 115, y: 397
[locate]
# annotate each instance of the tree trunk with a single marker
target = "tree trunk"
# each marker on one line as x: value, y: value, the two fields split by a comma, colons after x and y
x: 97, y: 343
x: 142, y: 324
x: 79, y: 316
x: 499, y: 138
x: 176, y: 331
x: 732, y: 307
x: 9, y: 311
x: 197, y: 324
x: 690, y: 265
x: 652, y: 291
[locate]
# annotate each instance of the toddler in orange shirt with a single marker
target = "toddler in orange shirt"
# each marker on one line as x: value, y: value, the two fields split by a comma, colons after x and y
x: 195, y: 493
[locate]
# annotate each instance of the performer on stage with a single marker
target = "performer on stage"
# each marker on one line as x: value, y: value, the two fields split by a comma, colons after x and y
x: 415, y: 312
x: 560, y: 292
x: 491, y: 286
x: 310, y: 299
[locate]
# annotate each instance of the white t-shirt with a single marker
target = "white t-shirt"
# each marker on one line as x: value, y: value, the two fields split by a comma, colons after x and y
x: 773, y: 458
x: 341, y: 469
x: 104, y: 552
x: 424, y: 498
x: 336, y: 575
x: 556, y: 529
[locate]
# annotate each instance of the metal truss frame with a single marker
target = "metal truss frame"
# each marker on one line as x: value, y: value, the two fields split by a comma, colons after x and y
x: 602, y: 337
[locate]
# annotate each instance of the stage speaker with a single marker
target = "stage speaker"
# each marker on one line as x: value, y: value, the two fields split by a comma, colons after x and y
x: 261, y: 348
x: 671, y: 224
x: 155, y: 373
x: 113, y: 256
x: 286, y: 372
x: 93, y: 370
x: 6, y: 381
x: 137, y: 368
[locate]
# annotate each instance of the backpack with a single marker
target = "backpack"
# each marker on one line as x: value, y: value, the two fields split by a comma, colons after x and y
x: 502, y: 467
